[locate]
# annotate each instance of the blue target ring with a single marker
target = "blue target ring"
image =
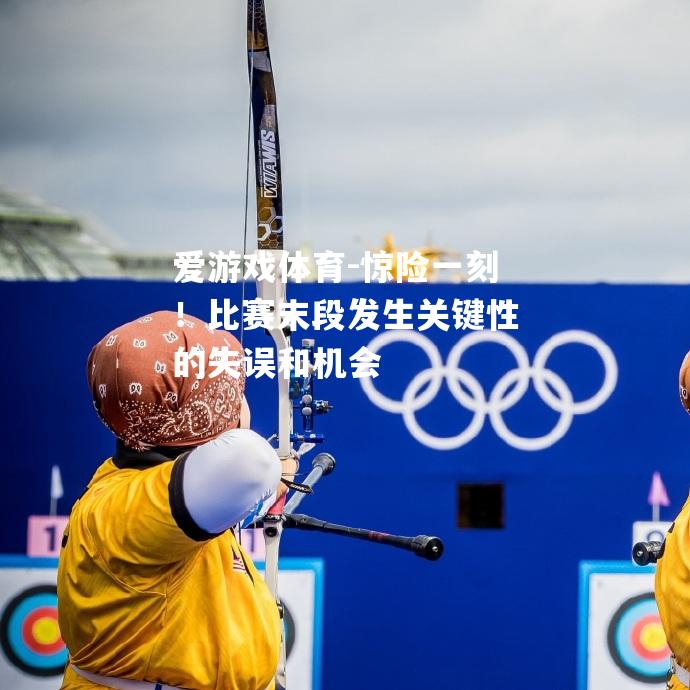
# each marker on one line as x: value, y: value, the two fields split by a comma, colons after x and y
x: 632, y: 626
x: 22, y: 646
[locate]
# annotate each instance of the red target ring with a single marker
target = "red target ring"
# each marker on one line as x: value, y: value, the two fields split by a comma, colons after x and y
x: 40, y: 631
x: 643, y: 633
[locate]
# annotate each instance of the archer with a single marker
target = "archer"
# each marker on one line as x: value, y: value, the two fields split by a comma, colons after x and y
x: 154, y: 589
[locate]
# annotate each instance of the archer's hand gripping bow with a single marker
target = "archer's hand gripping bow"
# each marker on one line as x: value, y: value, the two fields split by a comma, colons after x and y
x: 292, y: 391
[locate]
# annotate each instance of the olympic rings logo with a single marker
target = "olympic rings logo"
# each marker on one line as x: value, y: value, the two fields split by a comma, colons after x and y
x: 506, y: 393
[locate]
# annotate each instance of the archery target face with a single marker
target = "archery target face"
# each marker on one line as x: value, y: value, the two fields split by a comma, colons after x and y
x: 297, y: 592
x: 626, y: 643
x: 636, y: 640
x: 33, y: 654
x: 29, y: 632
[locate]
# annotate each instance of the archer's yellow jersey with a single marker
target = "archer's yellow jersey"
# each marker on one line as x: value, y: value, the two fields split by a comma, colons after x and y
x: 672, y: 588
x: 138, y: 598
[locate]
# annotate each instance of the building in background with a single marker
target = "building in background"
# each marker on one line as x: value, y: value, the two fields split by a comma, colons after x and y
x: 42, y: 242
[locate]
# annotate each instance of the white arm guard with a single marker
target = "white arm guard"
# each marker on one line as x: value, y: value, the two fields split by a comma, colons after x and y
x: 230, y: 478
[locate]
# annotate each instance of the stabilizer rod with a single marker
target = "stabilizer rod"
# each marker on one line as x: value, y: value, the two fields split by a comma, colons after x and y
x: 322, y: 465
x: 423, y: 546
x: 646, y: 552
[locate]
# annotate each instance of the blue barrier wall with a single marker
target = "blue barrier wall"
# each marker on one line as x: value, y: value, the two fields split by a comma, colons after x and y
x: 500, y: 609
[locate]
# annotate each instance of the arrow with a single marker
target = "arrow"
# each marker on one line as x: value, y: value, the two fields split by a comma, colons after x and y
x: 657, y: 496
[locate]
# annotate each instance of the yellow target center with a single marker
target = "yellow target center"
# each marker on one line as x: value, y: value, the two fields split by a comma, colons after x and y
x: 652, y: 637
x: 46, y: 631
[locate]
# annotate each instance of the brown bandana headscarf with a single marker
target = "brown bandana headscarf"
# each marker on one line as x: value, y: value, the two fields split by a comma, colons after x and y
x: 131, y: 373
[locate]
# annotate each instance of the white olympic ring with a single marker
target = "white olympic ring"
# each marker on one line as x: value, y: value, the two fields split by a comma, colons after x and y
x: 506, y: 393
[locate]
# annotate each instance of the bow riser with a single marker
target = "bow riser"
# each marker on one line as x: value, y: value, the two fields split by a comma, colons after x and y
x: 275, y: 294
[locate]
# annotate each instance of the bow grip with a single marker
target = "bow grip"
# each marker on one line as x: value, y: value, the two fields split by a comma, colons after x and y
x: 277, y: 507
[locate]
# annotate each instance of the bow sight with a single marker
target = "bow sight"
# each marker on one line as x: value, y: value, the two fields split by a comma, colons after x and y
x: 302, y: 395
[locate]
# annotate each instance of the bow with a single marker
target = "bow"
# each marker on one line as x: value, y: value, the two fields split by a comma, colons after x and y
x: 294, y: 391
x: 269, y: 224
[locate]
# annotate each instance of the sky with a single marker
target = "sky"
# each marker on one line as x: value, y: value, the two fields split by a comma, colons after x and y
x: 557, y: 133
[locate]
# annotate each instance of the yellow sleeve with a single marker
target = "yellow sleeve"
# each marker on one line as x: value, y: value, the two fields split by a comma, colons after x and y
x: 139, y: 517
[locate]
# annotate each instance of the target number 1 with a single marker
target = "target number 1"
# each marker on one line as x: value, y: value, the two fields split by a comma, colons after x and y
x: 44, y: 535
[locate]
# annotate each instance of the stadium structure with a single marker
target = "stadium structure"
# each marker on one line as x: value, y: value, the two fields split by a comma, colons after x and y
x: 39, y: 241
